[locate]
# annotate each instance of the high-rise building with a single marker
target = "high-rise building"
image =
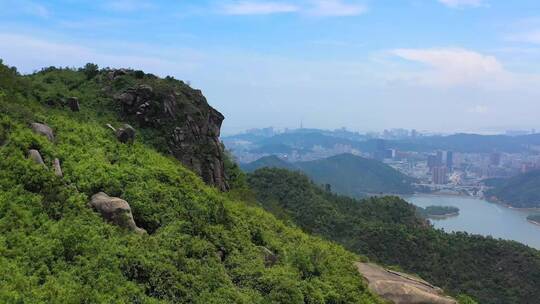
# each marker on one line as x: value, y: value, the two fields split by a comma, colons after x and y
x: 439, y: 175
x: 450, y: 161
x: 440, y: 158
x: 432, y: 162
x: 495, y: 159
x: 380, y: 149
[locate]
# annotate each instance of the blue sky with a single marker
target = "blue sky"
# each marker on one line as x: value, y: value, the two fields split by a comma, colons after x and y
x: 439, y: 65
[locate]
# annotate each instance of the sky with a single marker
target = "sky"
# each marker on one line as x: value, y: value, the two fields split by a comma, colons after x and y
x: 368, y: 65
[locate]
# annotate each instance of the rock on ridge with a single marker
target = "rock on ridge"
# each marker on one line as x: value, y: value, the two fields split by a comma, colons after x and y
x: 189, y: 124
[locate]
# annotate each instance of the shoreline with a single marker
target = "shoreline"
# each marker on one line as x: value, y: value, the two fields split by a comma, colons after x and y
x: 496, y: 202
x: 533, y: 222
x: 442, y: 216
x: 506, y: 205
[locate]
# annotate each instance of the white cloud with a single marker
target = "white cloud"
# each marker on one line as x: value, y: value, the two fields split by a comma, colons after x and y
x: 530, y: 36
x: 336, y: 8
x: 127, y: 5
x: 330, y: 8
x: 258, y: 8
x: 454, y: 67
x: 461, y: 3
x: 477, y: 109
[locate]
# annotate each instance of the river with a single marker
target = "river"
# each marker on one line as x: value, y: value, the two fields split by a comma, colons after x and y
x: 478, y: 216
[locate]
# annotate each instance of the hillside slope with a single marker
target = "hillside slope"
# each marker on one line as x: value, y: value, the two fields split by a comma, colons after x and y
x: 270, y: 161
x: 346, y: 173
x: 520, y: 191
x: 389, y: 231
x: 200, y: 246
x: 357, y: 176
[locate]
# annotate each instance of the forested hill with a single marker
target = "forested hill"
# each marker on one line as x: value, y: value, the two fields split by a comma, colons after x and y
x: 389, y: 231
x: 270, y: 161
x: 346, y: 173
x: 89, y: 214
x: 520, y: 191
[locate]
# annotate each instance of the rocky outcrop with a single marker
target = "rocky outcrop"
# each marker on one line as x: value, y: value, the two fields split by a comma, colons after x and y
x: 115, y: 210
x: 73, y: 104
x: 270, y: 258
x: 125, y: 134
x: 400, y: 288
x: 43, y: 130
x: 57, y: 168
x: 36, y: 157
x: 184, y: 119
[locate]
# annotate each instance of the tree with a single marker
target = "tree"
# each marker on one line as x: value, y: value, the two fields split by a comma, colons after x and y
x: 90, y: 70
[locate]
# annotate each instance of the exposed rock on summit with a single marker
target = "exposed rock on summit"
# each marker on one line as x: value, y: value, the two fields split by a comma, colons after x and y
x: 184, y: 119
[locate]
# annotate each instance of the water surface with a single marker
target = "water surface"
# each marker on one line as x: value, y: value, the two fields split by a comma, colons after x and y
x: 478, y: 216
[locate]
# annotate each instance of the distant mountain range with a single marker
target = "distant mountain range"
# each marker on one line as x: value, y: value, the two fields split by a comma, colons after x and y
x: 308, y: 144
x: 520, y: 191
x: 346, y: 174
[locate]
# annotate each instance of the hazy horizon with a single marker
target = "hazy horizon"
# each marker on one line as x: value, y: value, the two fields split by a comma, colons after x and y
x: 431, y: 65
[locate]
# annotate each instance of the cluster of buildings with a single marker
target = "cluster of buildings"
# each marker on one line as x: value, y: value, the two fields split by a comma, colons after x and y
x: 440, y: 164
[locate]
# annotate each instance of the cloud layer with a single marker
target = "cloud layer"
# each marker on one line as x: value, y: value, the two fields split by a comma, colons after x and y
x: 312, y: 7
x: 454, y: 67
x: 461, y: 3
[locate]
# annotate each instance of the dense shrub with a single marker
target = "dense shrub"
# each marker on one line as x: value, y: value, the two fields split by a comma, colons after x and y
x: 202, y: 247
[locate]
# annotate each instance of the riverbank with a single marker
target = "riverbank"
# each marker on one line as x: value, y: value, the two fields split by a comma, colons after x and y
x: 478, y: 216
x: 507, y: 205
x: 533, y: 222
x: 442, y: 216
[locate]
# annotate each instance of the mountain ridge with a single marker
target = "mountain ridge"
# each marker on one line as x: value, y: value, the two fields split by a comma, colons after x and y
x: 346, y: 173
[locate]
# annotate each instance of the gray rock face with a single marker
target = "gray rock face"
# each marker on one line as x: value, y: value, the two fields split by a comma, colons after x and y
x: 190, y: 126
x: 270, y: 258
x: 43, y: 130
x: 115, y: 210
x: 113, y: 74
x: 126, y: 134
x: 57, y: 168
x: 400, y: 288
x: 36, y: 157
x: 73, y: 104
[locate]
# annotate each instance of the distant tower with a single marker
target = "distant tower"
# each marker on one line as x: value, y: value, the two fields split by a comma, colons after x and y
x: 450, y: 161
x: 440, y: 158
x: 301, y: 124
x: 495, y: 159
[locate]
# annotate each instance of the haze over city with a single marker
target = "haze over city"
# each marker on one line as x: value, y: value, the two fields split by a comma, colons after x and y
x: 434, y: 65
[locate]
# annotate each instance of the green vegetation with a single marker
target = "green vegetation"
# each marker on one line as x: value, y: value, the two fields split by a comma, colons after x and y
x: 202, y: 247
x: 438, y: 211
x: 388, y: 231
x: 346, y: 173
x: 357, y: 176
x: 521, y: 191
x: 270, y: 161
